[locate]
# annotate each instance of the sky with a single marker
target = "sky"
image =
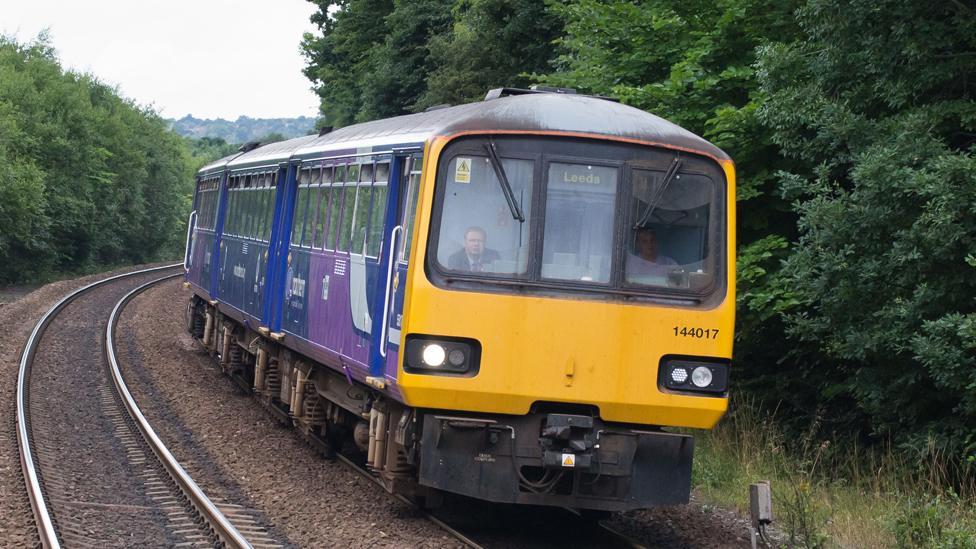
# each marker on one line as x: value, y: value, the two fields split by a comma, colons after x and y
x: 208, y: 58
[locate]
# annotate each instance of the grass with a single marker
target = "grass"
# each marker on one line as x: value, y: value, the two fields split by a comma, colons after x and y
x: 830, y: 493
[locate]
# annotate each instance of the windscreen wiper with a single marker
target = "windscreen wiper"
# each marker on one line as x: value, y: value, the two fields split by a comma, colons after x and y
x: 668, y: 177
x: 513, y: 204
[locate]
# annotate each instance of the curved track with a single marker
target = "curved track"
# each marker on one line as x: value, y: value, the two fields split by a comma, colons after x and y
x: 95, y: 471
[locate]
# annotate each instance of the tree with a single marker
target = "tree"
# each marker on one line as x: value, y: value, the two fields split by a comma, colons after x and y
x: 491, y: 44
x: 86, y: 177
x: 372, y: 58
x: 875, y: 99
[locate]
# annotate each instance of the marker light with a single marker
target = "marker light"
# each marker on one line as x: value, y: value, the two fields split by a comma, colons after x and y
x: 701, y: 376
x: 434, y: 355
x: 456, y: 357
x: 679, y: 375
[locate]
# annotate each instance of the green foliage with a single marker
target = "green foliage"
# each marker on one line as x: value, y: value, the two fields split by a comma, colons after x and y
x: 881, y: 113
x: 207, y: 149
x: 86, y: 178
x: 491, y: 44
x: 376, y: 59
x: 933, y: 522
x: 372, y: 58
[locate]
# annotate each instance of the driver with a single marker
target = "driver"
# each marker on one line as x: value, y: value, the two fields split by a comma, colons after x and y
x: 475, y: 256
x: 647, y: 261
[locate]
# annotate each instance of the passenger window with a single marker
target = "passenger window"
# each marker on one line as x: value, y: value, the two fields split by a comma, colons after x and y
x: 374, y: 241
x: 478, y: 232
x: 578, y: 234
x: 357, y: 243
x: 668, y: 230
x: 348, y: 207
x: 382, y: 172
x: 322, y: 217
x: 335, y: 209
x: 298, y: 224
x: 251, y: 208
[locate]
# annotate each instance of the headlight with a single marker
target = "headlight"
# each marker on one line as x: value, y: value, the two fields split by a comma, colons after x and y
x: 444, y: 355
x: 701, y: 377
x: 433, y: 355
x: 694, y: 375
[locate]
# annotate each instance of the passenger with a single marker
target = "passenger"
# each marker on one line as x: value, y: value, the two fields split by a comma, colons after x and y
x: 647, y: 262
x: 474, y: 257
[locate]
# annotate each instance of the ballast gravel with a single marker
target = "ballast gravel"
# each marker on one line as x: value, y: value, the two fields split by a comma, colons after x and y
x: 212, y: 427
x: 17, y: 319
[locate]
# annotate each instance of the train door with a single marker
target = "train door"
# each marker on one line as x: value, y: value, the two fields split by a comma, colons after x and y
x: 387, y: 302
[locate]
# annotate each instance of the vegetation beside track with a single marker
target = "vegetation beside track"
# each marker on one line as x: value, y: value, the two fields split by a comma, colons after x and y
x: 828, y: 492
x: 88, y: 179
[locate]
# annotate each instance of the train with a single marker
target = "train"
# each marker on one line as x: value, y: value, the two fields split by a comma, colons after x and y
x: 528, y: 299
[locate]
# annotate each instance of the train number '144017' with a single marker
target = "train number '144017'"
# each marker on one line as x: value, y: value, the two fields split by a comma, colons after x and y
x: 697, y: 333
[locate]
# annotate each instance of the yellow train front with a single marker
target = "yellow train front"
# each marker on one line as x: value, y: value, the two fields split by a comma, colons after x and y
x: 564, y: 296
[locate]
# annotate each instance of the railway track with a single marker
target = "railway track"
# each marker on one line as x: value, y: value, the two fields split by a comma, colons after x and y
x: 96, y: 473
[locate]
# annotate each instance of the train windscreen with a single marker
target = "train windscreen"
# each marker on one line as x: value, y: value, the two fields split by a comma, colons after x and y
x: 573, y: 213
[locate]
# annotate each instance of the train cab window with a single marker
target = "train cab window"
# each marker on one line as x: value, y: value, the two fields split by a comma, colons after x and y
x: 668, y: 232
x: 613, y: 220
x: 478, y: 231
x: 578, y: 236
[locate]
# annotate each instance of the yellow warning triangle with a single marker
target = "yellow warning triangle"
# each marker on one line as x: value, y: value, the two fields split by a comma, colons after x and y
x: 568, y: 461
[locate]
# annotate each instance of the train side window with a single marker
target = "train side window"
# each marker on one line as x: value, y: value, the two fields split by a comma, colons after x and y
x: 374, y: 238
x: 410, y: 211
x: 325, y: 193
x: 249, y: 210
x: 478, y: 233
x: 272, y: 196
x: 321, y: 202
x: 357, y: 242
x: 335, y: 207
x: 348, y: 207
x: 230, y: 223
x: 382, y: 172
x: 578, y: 238
x: 298, y: 219
x: 266, y: 208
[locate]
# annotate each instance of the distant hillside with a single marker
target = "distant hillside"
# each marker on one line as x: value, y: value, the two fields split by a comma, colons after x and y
x: 243, y: 129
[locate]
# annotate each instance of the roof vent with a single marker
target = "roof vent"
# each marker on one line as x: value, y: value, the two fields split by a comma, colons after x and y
x: 324, y: 130
x: 438, y: 107
x: 249, y: 146
x: 507, y: 92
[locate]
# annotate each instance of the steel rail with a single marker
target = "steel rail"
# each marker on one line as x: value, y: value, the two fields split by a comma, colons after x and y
x: 42, y: 517
x: 219, y: 523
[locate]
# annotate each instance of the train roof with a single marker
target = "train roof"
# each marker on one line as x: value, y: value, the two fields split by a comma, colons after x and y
x: 217, y: 165
x: 537, y: 112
